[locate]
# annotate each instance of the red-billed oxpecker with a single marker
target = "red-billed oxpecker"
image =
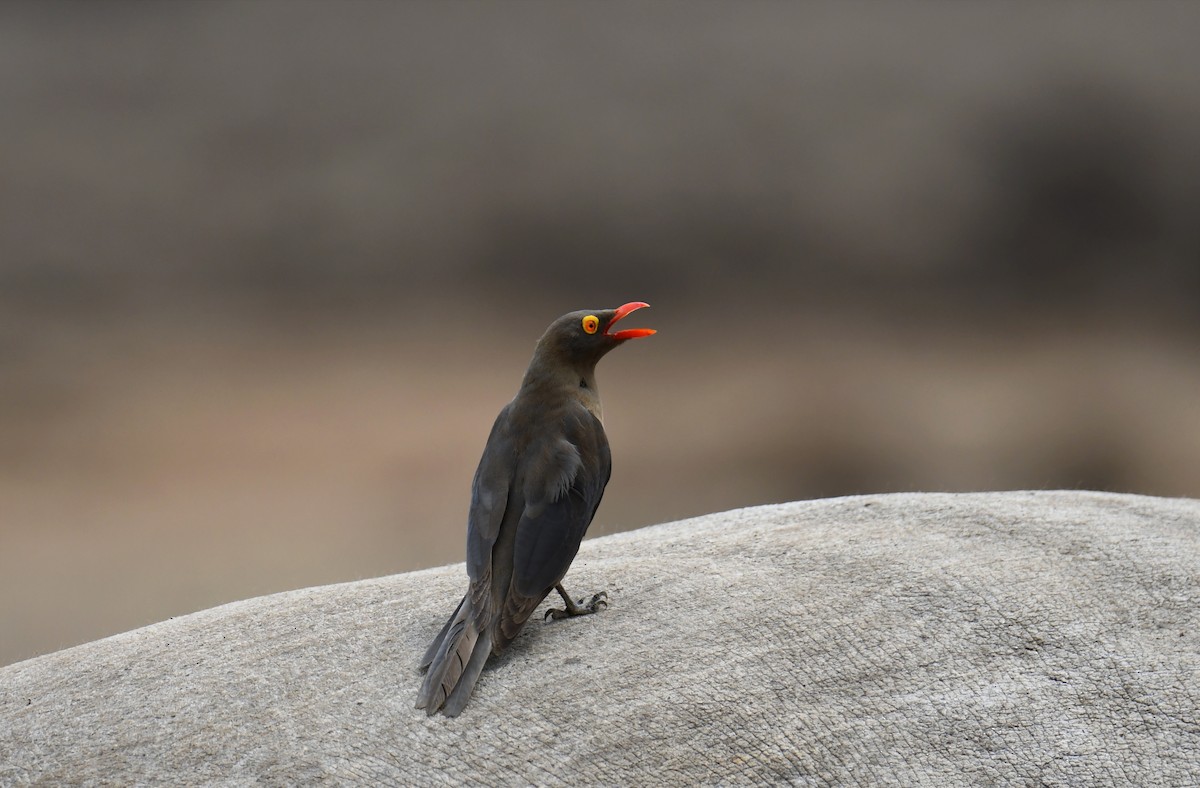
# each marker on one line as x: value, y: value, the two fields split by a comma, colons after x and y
x: 537, y: 487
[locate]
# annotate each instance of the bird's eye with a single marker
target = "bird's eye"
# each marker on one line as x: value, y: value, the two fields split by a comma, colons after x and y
x: 591, y: 324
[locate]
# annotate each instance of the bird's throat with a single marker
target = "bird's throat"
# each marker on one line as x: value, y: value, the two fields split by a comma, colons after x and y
x: 589, y: 395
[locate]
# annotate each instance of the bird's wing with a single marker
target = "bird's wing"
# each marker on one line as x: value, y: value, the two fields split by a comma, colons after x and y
x: 563, y: 484
x: 489, y: 496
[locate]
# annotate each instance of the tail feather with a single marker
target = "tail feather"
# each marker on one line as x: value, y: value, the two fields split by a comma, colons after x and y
x: 455, y: 666
x: 466, y: 682
x: 431, y: 652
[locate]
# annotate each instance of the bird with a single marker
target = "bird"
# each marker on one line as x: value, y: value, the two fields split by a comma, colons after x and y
x: 536, y: 489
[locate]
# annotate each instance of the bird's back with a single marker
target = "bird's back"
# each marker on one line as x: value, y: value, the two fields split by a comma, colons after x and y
x: 558, y: 475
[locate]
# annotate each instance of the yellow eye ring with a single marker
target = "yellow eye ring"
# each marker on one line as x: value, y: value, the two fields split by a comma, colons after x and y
x: 591, y: 324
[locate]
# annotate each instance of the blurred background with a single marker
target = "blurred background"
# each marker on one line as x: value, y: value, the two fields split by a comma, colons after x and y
x: 268, y: 269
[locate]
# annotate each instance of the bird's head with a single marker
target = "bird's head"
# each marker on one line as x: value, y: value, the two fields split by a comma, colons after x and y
x: 579, y: 339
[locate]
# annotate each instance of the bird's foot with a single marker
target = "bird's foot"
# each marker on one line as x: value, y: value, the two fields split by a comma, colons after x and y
x: 580, y: 608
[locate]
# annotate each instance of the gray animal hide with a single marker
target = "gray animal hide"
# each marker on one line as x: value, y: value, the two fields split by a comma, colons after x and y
x: 998, y: 638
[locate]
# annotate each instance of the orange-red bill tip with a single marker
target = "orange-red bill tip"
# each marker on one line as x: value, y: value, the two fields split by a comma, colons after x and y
x: 628, y: 333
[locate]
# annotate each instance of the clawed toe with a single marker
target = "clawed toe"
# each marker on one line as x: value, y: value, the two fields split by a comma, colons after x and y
x: 577, y: 607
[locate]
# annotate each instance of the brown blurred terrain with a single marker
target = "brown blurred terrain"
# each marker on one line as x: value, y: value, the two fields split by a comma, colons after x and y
x: 269, y: 270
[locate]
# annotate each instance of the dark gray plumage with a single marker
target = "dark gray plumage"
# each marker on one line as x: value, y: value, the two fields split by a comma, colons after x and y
x: 538, y: 485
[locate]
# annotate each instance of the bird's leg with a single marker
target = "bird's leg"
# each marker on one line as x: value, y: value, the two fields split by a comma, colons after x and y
x: 576, y: 608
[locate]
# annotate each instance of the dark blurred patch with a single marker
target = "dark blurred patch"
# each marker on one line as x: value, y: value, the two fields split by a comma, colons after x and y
x: 1083, y: 202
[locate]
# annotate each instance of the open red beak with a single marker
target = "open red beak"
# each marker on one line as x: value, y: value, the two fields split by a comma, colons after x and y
x: 628, y: 333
